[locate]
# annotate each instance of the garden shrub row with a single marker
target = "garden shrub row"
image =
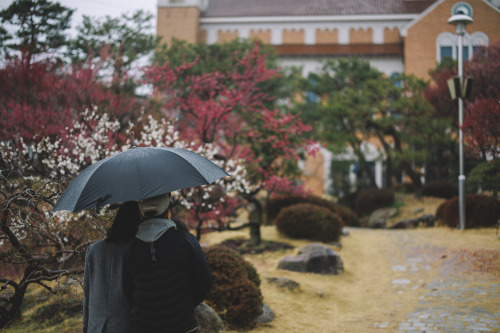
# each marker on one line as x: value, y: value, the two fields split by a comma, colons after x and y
x: 235, y: 294
x: 372, y: 199
x: 440, y: 189
x: 275, y: 205
x: 309, y: 221
x: 480, y: 211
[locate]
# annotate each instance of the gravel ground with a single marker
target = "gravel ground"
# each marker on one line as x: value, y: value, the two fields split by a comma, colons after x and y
x: 464, y: 295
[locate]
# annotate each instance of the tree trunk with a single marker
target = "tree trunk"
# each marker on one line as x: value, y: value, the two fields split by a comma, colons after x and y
x: 255, y: 217
x: 364, y: 166
x: 414, y: 176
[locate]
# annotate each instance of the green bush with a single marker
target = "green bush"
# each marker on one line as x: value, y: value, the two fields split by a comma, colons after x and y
x: 308, y: 221
x: 485, y: 176
x: 440, y: 189
x: 480, y: 211
x: 235, y: 294
x: 57, y: 308
x: 372, y: 199
x: 275, y: 205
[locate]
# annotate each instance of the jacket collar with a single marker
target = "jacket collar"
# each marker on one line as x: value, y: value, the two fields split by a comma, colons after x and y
x: 152, y: 229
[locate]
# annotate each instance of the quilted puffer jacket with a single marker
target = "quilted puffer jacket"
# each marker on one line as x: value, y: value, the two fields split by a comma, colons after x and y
x: 166, y: 276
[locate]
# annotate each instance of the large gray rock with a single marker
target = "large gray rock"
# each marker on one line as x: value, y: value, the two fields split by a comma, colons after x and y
x: 378, y: 219
x: 267, y: 315
x: 208, y: 320
x: 283, y: 283
x: 314, y: 258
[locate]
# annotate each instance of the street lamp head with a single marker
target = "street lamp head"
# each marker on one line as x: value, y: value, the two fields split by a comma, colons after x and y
x: 460, y: 20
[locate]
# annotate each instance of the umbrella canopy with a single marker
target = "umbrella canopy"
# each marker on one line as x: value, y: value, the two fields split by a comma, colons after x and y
x: 136, y: 174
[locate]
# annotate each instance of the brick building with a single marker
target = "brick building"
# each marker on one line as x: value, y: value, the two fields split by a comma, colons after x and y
x: 395, y: 36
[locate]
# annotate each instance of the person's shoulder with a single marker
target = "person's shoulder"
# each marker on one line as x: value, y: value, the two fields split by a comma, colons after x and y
x: 97, y: 245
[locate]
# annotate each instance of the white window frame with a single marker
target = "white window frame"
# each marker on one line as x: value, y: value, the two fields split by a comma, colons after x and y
x: 477, y: 38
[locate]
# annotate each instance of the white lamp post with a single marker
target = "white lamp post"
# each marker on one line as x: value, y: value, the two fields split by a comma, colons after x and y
x: 459, y: 21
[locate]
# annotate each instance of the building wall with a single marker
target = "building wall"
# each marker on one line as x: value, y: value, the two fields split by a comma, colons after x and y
x: 392, y: 35
x: 179, y: 22
x: 314, y: 174
x: 293, y: 36
x: 420, y: 43
x: 327, y: 36
x: 226, y: 36
x: 360, y: 36
x: 263, y: 35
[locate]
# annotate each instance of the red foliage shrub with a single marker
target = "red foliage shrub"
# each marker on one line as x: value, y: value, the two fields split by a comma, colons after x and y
x: 480, y: 211
x: 440, y: 189
x: 235, y: 294
x: 275, y: 205
x: 308, y: 221
x: 348, y: 216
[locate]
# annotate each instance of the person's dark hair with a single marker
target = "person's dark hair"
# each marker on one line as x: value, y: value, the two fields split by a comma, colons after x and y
x: 125, y: 224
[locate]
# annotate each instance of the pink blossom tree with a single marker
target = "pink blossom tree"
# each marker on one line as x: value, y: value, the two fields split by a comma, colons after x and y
x: 229, y: 111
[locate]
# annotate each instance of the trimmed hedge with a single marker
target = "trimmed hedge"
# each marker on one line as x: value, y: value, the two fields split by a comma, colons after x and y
x: 235, y: 294
x: 308, y: 221
x: 275, y: 205
x: 440, y: 189
x: 348, y: 216
x: 480, y: 211
x: 372, y: 199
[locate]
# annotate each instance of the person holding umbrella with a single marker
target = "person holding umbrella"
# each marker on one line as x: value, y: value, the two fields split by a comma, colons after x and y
x: 166, y: 274
x: 105, y: 307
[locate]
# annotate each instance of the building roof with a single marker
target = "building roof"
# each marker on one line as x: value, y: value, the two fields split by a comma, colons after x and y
x: 245, y: 8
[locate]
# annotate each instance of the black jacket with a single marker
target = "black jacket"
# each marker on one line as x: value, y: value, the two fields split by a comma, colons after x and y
x: 165, y: 280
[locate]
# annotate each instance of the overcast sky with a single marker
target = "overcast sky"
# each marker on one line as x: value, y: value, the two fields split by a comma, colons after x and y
x: 101, y: 8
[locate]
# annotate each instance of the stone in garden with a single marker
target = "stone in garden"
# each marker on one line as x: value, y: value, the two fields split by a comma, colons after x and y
x: 378, y: 219
x: 404, y: 224
x: 267, y: 315
x: 208, y: 320
x: 417, y: 210
x: 314, y: 258
x: 284, y: 283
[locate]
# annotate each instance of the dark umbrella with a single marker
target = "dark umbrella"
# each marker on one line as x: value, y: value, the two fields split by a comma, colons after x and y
x: 136, y: 174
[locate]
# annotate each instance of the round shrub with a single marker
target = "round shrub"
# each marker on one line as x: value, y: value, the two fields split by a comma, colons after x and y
x: 440, y: 189
x: 372, y: 199
x: 308, y: 221
x: 235, y: 294
x: 275, y: 205
x: 349, y: 199
x: 348, y: 216
x: 480, y: 211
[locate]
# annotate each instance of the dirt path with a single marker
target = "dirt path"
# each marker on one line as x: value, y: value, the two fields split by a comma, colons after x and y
x: 422, y: 280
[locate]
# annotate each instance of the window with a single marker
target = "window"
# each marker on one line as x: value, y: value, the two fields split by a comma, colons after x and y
x: 447, y: 45
x: 465, y: 53
x: 445, y: 52
x: 396, y: 78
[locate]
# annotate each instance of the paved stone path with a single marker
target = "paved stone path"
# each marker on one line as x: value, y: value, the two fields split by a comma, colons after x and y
x: 451, y: 302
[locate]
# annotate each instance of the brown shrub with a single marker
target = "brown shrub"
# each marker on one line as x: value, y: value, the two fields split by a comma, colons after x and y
x: 275, y: 205
x: 235, y: 294
x: 372, y: 199
x: 440, y: 189
x: 308, y: 221
x: 348, y: 216
x: 480, y: 211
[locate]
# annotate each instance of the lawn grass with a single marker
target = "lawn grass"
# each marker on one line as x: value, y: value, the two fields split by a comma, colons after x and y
x: 364, y: 294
